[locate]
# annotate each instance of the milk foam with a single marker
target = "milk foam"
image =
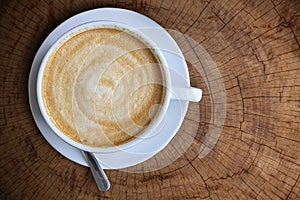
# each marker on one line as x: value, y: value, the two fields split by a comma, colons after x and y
x: 100, y: 85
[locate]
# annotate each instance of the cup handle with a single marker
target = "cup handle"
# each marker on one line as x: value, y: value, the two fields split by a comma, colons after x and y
x: 188, y: 94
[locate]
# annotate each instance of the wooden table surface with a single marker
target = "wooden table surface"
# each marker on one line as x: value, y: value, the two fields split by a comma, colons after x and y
x: 255, y: 48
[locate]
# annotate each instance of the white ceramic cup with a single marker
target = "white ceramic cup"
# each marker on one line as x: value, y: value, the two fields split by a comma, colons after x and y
x: 186, y: 93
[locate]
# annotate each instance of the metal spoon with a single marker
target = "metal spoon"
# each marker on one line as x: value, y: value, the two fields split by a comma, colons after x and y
x: 99, y: 175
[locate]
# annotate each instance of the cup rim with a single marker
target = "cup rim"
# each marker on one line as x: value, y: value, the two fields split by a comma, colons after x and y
x: 141, y: 33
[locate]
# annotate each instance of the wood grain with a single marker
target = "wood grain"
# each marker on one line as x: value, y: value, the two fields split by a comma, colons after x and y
x: 256, y: 48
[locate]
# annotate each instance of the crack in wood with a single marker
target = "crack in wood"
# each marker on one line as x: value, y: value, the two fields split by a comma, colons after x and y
x: 206, y: 187
x: 243, y: 103
x: 198, y: 17
x: 287, y: 197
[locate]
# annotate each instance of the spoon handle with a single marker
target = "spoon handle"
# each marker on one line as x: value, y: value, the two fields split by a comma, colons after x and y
x: 99, y: 175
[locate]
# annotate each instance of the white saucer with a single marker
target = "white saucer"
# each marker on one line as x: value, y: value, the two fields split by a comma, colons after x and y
x: 175, y: 112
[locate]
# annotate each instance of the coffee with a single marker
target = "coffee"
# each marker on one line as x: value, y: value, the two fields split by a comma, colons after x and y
x: 102, y: 87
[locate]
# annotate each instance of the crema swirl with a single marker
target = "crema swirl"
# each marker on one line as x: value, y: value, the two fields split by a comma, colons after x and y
x: 102, y: 87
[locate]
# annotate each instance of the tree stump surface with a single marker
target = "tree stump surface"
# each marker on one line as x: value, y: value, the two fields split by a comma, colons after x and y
x: 255, y: 46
